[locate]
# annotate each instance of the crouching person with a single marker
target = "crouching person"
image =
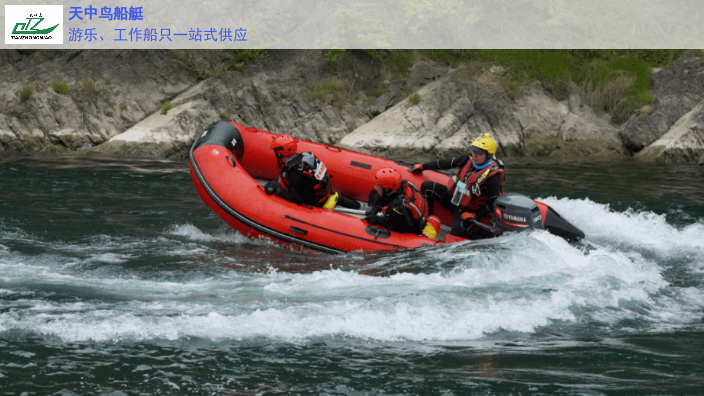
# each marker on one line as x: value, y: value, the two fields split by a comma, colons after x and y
x: 303, y: 178
x: 397, y: 205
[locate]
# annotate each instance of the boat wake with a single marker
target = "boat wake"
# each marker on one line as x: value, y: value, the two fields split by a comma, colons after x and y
x: 634, y: 273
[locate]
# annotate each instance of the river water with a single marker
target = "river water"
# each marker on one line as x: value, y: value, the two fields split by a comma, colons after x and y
x: 116, y: 278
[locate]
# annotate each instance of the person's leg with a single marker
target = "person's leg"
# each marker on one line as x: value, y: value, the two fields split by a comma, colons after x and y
x: 348, y: 202
x: 457, y: 229
x: 433, y: 191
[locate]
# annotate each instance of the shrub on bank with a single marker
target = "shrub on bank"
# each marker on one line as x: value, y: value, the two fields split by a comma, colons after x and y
x: 26, y: 93
x: 60, y: 87
x: 327, y: 86
x: 166, y: 107
x: 243, y: 56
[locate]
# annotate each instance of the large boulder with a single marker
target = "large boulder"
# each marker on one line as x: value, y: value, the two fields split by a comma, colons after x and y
x: 677, y: 88
x: 564, y: 129
x: 682, y: 144
x: 455, y: 109
x: 448, y: 113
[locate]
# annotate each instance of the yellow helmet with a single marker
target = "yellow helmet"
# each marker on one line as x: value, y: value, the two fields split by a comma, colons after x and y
x: 486, y: 143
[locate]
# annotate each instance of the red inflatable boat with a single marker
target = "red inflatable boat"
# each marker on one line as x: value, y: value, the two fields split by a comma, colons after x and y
x: 229, y: 162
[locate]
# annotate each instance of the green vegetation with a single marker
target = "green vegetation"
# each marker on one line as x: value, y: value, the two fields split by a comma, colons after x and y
x: 334, y: 55
x: 614, y: 81
x: 26, y: 93
x: 375, y: 93
x: 414, y: 99
x: 400, y: 60
x: 330, y: 86
x: 183, y: 59
x: 87, y: 91
x: 243, y: 56
x: 372, y: 53
x: 166, y: 107
x: 60, y: 87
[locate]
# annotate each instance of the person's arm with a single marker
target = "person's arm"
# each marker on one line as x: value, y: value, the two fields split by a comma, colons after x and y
x: 373, y: 199
x: 274, y: 187
x: 372, y: 216
x: 447, y: 163
x: 271, y: 186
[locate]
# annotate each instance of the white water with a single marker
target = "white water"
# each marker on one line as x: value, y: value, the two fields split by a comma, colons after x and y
x: 520, y: 283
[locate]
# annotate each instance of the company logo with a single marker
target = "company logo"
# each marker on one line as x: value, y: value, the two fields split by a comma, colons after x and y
x: 514, y: 218
x: 24, y: 28
x: 33, y: 24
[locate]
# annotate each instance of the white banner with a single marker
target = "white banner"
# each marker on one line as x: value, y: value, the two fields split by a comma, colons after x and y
x: 418, y: 24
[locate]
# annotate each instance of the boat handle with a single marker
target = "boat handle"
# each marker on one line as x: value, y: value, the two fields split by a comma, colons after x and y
x: 333, y: 148
x: 231, y: 161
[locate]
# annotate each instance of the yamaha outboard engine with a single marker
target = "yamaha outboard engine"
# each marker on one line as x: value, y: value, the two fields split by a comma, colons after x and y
x: 516, y: 212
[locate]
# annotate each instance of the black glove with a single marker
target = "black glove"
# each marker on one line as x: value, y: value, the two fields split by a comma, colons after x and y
x: 270, y: 189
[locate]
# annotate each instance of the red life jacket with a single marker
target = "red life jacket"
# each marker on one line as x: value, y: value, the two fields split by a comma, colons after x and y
x: 306, y: 177
x: 474, y: 179
x: 415, y: 206
x: 415, y: 203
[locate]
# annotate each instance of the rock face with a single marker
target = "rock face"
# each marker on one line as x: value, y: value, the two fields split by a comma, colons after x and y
x: 114, y: 101
x: 682, y: 144
x: 678, y: 88
x: 454, y: 110
x: 109, y: 91
x: 563, y: 129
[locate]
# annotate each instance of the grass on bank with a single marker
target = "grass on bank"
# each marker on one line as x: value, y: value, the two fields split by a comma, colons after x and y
x: 243, y: 56
x: 613, y: 81
x: 26, y: 93
x: 166, y: 107
x: 60, y: 87
x: 322, y: 89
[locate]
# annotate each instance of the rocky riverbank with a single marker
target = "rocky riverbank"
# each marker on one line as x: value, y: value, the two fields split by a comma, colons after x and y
x: 113, y: 102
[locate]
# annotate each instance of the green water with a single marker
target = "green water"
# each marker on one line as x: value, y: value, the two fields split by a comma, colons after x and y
x: 114, y: 276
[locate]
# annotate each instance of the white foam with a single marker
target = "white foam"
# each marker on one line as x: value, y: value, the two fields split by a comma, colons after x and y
x: 466, y: 291
x: 23, y: 354
x: 529, y: 281
x: 193, y: 233
x: 642, y: 229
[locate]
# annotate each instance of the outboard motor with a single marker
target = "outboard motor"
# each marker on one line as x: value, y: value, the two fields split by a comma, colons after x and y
x: 516, y: 212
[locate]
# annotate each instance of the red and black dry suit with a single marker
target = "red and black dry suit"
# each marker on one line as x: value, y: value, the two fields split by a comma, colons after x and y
x: 304, y: 180
x: 298, y: 182
x: 403, y: 210
x: 484, y: 186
